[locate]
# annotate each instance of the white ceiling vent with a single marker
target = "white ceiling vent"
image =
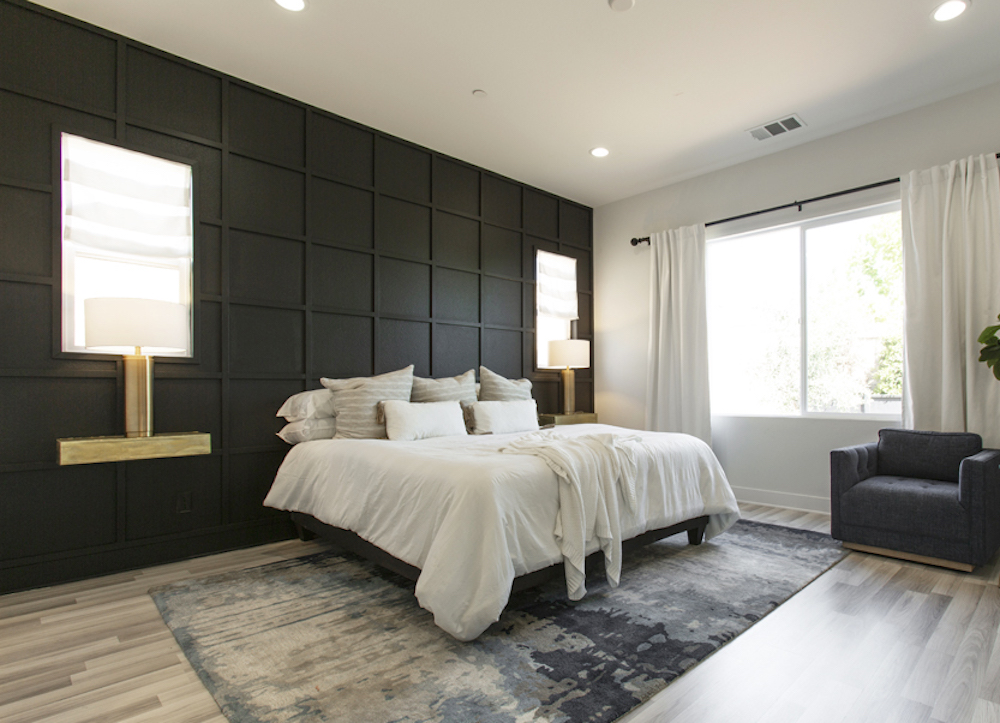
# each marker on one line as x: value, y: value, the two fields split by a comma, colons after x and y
x: 776, y: 128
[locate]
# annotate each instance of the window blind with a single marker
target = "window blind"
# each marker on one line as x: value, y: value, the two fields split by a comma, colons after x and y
x: 126, y: 202
x: 556, y: 286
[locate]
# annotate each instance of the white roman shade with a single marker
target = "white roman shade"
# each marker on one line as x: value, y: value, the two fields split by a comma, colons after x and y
x: 556, y: 286
x: 123, y: 201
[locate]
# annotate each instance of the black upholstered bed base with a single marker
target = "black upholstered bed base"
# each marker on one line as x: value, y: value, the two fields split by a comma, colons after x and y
x: 309, y: 527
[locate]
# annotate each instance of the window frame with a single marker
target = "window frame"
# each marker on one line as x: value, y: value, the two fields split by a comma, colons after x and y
x: 569, y: 328
x: 865, y: 210
x: 58, y: 271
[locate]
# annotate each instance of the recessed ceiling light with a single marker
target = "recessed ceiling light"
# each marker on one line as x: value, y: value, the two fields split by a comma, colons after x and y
x: 478, y: 93
x: 293, y: 5
x: 950, y: 9
x: 599, y: 152
x: 620, y: 6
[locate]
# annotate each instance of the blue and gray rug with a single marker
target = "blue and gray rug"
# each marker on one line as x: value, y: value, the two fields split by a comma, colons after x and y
x: 330, y: 637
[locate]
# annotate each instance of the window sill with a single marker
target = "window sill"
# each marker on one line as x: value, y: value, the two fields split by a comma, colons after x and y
x: 895, y: 418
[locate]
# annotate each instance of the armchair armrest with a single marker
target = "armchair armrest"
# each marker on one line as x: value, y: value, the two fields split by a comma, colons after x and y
x: 979, y: 478
x: 850, y: 465
x: 979, y: 493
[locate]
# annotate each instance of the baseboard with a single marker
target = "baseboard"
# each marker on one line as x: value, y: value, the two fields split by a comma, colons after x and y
x: 76, y: 565
x: 790, y: 500
x: 910, y: 557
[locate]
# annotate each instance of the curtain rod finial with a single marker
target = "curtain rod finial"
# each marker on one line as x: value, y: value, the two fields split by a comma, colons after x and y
x: 637, y: 241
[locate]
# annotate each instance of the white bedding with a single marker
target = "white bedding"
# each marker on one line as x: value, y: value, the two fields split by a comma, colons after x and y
x: 472, y: 518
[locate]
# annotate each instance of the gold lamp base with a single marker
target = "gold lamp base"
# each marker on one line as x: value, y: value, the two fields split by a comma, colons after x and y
x: 138, y: 395
x: 569, y: 390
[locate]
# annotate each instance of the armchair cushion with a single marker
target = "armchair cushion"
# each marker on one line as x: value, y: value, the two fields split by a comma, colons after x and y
x: 900, y: 504
x: 925, y: 455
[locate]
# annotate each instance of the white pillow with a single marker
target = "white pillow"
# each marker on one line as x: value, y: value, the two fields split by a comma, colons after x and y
x: 355, y: 401
x: 317, y: 403
x: 496, y: 388
x: 462, y: 388
x: 503, y: 417
x: 407, y: 421
x: 306, y: 430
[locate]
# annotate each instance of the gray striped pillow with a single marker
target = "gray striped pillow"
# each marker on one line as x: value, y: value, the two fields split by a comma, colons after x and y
x: 355, y: 401
x: 496, y: 388
x: 461, y: 388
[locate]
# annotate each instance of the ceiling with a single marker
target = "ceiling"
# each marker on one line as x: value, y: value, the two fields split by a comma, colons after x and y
x: 670, y: 87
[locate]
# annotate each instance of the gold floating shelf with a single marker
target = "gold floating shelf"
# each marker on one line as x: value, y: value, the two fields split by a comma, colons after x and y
x: 90, y: 450
x: 568, y: 418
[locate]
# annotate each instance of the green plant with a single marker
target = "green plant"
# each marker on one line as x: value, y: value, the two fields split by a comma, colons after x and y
x: 990, y: 353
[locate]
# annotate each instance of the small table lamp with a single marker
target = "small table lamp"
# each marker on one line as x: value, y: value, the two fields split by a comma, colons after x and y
x: 571, y: 354
x: 145, y: 325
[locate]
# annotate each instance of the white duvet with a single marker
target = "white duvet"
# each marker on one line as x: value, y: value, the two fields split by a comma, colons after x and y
x: 473, y: 518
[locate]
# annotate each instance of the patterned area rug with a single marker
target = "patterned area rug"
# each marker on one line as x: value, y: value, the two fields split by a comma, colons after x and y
x: 330, y: 637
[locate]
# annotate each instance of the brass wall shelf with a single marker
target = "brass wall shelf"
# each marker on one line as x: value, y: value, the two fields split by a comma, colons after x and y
x: 571, y: 418
x: 90, y: 450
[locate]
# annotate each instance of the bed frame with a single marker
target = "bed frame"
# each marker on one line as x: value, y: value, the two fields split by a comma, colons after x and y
x: 309, y: 527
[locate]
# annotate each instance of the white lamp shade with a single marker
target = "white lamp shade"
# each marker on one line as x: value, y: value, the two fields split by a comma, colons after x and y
x: 570, y: 353
x: 122, y: 324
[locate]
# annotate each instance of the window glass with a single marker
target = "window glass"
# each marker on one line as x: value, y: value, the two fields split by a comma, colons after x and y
x: 126, y: 231
x: 555, y: 302
x: 808, y: 318
x: 854, y: 302
x: 753, y: 320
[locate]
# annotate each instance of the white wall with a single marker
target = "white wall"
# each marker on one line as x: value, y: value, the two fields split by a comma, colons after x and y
x: 779, y: 461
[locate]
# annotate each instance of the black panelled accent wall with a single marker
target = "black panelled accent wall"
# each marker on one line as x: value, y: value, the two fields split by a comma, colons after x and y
x: 322, y: 248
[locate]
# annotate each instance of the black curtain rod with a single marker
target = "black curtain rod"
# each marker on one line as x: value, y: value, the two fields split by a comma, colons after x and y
x: 793, y: 204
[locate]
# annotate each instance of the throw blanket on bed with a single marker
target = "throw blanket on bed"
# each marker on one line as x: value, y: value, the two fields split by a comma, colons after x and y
x: 591, y: 469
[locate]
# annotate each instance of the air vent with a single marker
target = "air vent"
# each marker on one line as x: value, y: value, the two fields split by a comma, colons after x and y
x: 776, y: 128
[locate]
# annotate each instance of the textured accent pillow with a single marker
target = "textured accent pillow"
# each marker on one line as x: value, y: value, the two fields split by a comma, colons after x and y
x: 317, y: 403
x: 355, y: 401
x: 408, y: 421
x: 461, y: 388
x: 306, y: 430
x: 504, y: 417
x: 496, y: 388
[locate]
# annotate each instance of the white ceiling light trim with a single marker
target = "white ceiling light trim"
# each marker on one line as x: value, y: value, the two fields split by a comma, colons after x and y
x: 620, y: 6
x: 293, y: 5
x: 950, y: 9
x: 599, y: 152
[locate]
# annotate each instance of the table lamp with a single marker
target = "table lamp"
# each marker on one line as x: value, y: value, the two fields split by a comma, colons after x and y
x: 146, y: 326
x: 570, y: 354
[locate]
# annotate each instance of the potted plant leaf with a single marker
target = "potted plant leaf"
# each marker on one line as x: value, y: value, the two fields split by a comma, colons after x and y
x: 990, y: 353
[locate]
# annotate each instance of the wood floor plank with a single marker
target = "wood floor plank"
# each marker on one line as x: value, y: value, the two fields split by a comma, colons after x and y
x: 928, y: 677
x: 986, y: 712
x: 966, y: 675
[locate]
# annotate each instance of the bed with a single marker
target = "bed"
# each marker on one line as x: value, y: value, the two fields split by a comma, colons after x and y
x: 470, y: 521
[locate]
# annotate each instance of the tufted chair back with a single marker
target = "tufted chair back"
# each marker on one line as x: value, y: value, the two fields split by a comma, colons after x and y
x: 925, y: 455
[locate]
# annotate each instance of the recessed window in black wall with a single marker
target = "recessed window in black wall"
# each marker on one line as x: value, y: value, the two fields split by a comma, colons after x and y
x: 127, y: 232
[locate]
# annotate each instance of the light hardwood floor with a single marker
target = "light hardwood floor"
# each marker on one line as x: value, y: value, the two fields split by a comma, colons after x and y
x: 873, y: 639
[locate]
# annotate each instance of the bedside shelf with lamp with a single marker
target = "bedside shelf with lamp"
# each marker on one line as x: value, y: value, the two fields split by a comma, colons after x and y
x: 570, y: 354
x: 144, y: 325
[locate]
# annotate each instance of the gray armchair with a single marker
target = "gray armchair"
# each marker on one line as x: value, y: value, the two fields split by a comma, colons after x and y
x: 929, y: 496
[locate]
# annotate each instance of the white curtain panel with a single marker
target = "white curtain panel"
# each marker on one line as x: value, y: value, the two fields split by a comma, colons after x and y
x: 951, y: 271
x: 677, y: 380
